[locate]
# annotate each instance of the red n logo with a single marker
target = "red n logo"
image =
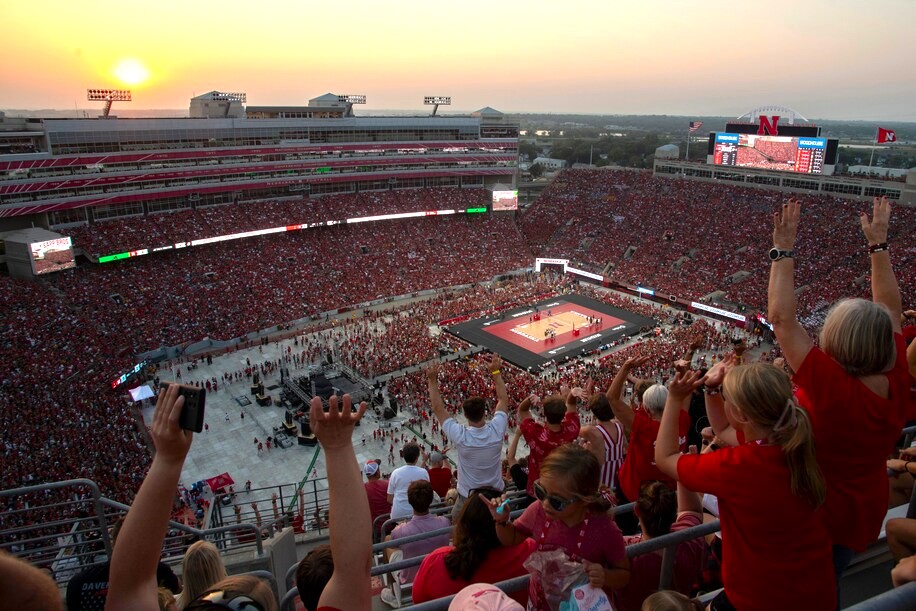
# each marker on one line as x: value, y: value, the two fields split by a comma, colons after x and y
x: 767, y: 127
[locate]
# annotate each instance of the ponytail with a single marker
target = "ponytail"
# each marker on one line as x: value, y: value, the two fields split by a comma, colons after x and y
x: 763, y: 394
x: 797, y: 441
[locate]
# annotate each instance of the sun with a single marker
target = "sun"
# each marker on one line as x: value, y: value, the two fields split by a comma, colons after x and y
x: 131, y: 72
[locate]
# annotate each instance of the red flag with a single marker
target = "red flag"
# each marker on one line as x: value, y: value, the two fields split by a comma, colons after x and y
x: 886, y: 135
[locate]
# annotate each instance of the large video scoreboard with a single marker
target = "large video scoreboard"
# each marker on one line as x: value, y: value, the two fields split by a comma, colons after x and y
x: 786, y: 153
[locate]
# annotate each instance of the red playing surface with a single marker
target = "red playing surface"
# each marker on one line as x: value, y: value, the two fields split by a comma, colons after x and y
x: 562, y: 315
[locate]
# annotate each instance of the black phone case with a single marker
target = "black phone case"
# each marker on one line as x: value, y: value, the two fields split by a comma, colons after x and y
x: 192, y: 414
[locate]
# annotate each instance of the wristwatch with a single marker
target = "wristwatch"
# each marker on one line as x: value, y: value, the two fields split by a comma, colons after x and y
x: 777, y: 253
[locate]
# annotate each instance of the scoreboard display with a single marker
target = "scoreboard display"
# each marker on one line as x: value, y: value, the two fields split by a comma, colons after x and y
x: 726, y: 151
x: 809, y: 157
x: 801, y: 154
x: 52, y: 255
x: 505, y: 200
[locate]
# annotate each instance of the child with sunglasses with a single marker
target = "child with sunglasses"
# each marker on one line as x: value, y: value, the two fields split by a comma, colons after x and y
x: 573, y: 515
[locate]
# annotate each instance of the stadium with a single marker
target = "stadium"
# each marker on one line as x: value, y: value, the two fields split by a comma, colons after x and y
x: 270, y: 255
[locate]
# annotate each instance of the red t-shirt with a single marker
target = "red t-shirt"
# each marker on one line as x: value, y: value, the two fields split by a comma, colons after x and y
x: 645, y: 569
x: 377, y: 491
x: 440, y: 478
x: 542, y: 441
x: 855, y: 430
x: 601, y: 542
x: 432, y: 581
x: 776, y: 551
x: 639, y: 465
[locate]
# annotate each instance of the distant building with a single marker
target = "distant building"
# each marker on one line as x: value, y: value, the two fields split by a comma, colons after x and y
x: 667, y: 151
x: 549, y: 163
x: 215, y: 105
x: 876, y: 171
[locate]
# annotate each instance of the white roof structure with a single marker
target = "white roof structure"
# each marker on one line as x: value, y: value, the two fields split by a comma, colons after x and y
x: 328, y: 99
x: 486, y: 111
x: 667, y: 151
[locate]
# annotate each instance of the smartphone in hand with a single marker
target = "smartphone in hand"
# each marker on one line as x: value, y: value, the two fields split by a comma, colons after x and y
x: 192, y: 413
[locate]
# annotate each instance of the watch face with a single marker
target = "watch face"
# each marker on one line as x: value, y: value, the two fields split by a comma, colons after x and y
x: 774, y: 254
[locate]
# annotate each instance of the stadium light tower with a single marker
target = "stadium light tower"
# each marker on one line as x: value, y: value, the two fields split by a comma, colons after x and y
x: 220, y: 96
x: 350, y: 100
x: 108, y: 96
x: 436, y: 100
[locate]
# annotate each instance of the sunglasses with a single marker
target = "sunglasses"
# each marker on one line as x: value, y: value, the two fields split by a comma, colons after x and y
x: 220, y: 600
x: 557, y: 503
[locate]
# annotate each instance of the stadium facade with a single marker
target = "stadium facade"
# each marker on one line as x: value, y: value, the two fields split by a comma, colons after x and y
x: 61, y: 172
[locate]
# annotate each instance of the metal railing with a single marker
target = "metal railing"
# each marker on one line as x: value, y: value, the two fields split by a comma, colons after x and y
x: 64, y: 527
x: 898, y: 599
x: 270, y: 507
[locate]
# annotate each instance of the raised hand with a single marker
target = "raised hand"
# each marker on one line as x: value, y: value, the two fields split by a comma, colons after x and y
x: 635, y: 361
x: 334, y: 429
x: 683, y: 385
x: 785, y: 225
x: 741, y: 348
x: 715, y: 376
x: 493, y: 505
x: 496, y: 363
x: 171, y: 441
x: 432, y: 372
x: 876, y: 230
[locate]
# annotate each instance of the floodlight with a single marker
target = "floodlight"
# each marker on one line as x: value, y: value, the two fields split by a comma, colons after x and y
x: 350, y: 100
x: 108, y: 96
x: 436, y: 100
x: 230, y: 97
x: 221, y: 96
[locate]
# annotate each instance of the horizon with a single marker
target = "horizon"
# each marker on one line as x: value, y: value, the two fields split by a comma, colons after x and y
x: 701, y: 58
x: 120, y: 112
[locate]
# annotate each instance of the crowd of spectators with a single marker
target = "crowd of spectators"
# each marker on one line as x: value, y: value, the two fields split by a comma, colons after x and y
x: 121, y: 235
x: 232, y: 288
x: 64, y: 339
x: 693, y: 239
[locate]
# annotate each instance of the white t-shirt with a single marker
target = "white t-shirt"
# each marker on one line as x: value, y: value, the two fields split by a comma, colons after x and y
x: 398, y: 483
x: 479, y: 452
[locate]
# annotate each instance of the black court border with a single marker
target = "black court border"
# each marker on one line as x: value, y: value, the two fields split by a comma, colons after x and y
x: 474, y: 331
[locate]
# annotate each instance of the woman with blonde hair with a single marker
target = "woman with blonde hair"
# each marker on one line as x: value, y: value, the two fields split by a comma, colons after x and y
x: 201, y: 567
x: 243, y: 592
x: 668, y: 600
x: 855, y: 386
x: 769, y: 472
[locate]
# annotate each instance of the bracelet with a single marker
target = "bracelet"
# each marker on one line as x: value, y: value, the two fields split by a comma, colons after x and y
x: 711, y: 391
x: 877, y: 248
x: 495, y: 373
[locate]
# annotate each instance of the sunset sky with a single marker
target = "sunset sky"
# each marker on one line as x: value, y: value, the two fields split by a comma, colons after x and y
x: 839, y: 59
